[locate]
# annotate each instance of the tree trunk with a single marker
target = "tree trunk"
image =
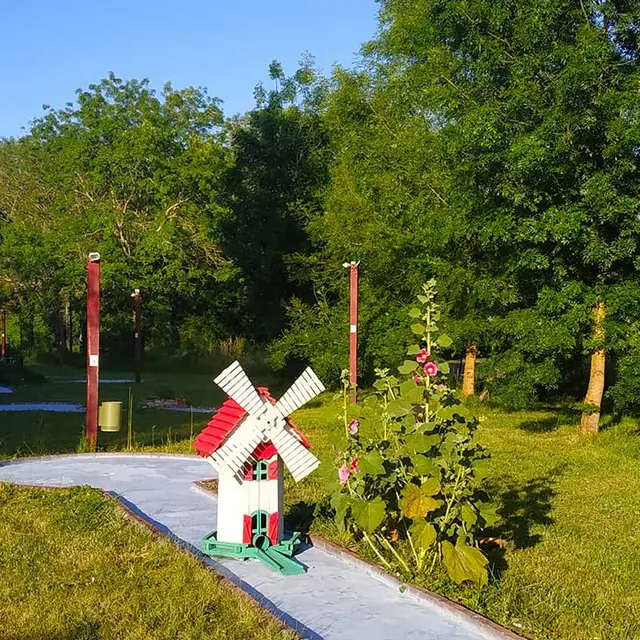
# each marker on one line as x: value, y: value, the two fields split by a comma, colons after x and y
x: 469, y: 376
x: 590, y: 418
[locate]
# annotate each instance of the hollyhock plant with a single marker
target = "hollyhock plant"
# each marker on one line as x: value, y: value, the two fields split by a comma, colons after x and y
x: 423, y: 356
x: 431, y: 369
x: 354, y: 464
x: 344, y: 473
x: 418, y: 379
x: 354, y: 425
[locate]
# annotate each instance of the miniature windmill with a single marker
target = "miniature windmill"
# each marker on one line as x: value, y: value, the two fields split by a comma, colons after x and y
x: 247, y: 441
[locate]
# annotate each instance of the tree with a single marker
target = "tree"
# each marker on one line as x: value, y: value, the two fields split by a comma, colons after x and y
x: 280, y: 159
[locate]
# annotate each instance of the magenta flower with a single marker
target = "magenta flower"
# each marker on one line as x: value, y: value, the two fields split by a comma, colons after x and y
x: 417, y: 379
x: 354, y: 464
x: 354, y: 425
x: 344, y: 473
x: 423, y: 356
x: 431, y: 368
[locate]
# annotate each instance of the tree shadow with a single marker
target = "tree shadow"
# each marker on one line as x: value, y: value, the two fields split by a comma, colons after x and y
x: 522, y: 506
x: 560, y: 418
x: 84, y: 630
x: 300, y: 515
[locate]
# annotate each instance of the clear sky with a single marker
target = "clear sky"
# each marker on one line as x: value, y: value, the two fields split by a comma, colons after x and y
x: 49, y: 49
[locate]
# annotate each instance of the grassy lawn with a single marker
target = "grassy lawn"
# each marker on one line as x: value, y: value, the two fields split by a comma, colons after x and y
x: 570, y: 510
x: 74, y: 568
x: 571, y: 569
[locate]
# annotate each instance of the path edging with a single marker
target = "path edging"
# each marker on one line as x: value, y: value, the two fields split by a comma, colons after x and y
x: 488, y: 628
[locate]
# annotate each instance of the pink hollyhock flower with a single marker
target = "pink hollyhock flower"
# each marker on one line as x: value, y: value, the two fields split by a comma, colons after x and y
x: 354, y: 425
x: 423, y: 356
x: 354, y: 464
x: 431, y: 368
x: 343, y: 474
x: 441, y: 387
x: 418, y: 379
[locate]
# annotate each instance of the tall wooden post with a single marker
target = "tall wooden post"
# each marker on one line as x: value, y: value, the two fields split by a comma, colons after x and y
x: 93, y: 347
x: 353, y: 328
x: 3, y: 330
x: 137, y: 335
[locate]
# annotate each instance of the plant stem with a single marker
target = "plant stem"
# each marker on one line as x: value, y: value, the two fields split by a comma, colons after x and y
x: 384, y: 562
x: 395, y: 553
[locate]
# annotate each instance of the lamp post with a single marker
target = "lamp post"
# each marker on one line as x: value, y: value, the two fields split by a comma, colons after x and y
x: 353, y: 326
x: 93, y: 347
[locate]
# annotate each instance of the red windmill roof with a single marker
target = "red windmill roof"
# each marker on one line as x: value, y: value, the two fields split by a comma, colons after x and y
x: 226, y: 419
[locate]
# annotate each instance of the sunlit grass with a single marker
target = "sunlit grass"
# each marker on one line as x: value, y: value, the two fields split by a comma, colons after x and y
x: 74, y: 568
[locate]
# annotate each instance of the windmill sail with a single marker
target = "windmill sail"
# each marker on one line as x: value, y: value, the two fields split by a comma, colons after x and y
x: 304, y: 389
x: 299, y: 460
x: 236, y: 384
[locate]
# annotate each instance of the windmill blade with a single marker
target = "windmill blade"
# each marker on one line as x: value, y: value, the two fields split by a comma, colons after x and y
x: 299, y: 460
x: 237, y: 450
x: 236, y: 384
x: 305, y: 388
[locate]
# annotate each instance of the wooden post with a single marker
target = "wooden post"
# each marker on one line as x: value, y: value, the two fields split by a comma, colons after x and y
x: 353, y: 328
x: 137, y: 336
x: 3, y: 330
x: 93, y: 347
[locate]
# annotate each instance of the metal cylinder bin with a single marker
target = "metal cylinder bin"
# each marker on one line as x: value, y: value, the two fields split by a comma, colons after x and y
x: 109, y: 416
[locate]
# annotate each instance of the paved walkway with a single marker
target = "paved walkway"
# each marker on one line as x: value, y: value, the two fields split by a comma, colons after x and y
x: 332, y: 600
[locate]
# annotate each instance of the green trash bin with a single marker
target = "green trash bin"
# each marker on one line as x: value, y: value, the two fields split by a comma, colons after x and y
x: 109, y: 416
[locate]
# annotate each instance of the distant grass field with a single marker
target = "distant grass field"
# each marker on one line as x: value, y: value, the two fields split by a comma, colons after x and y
x: 74, y: 568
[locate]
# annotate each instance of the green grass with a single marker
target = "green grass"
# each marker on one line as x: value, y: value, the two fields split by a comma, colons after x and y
x: 571, y: 569
x: 74, y: 568
x: 571, y: 514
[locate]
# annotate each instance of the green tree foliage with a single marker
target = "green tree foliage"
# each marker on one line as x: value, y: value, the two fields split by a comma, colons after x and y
x: 129, y: 174
x: 280, y: 160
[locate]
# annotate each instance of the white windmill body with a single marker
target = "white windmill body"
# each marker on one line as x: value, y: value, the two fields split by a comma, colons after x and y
x: 249, y: 441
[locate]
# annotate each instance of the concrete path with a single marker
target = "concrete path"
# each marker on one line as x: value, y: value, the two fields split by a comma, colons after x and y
x: 332, y: 600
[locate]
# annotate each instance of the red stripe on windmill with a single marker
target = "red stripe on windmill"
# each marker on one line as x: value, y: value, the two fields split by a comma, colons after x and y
x: 248, y: 441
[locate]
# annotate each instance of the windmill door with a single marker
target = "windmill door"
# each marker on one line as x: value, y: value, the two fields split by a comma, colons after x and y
x: 259, y: 537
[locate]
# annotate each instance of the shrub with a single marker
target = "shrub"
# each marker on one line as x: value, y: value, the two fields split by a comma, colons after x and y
x: 409, y: 466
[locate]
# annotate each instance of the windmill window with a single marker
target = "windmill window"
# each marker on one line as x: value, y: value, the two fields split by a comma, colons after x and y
x: 261, y: 470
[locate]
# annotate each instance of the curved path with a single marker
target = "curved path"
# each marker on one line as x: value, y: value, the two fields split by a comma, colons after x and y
x: 334, y: 599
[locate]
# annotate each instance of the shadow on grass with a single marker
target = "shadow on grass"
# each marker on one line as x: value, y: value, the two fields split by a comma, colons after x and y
x: 84, y: 630
x: 301, y: 515
x: 522, y: 507
x: 548, y: 423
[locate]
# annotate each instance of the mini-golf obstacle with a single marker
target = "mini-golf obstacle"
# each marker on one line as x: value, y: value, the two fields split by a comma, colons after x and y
x: 248, y: 441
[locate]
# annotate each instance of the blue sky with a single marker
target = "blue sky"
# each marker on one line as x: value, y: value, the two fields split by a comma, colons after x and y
x: 49, y: 49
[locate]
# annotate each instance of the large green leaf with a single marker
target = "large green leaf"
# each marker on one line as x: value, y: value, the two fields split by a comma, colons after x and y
x: 407, y: 367
x: 413, y: 350
x: 398, y: 408
x: 419, y: 442
x: 468, y: 515
x: 422, y: 533
x: 418, y: 329
x: 415, y: 313
x: 464, y: 562
x: 443, y: 367
x: 444, y: 341
x: 431, y: 486
x: 415, y: 504
x: 341, y: 503
x: 488, y: 513
x: 371, y: 463
x: 368, y: 514
x: 424, y: 466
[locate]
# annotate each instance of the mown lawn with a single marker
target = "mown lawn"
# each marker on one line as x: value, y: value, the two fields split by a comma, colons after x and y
x: 73, y: 567
x: 570, y: 506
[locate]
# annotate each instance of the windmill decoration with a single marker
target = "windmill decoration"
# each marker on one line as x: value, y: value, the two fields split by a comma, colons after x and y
x: 248, y: 441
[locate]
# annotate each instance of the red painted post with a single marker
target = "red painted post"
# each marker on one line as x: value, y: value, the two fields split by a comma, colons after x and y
x: 93, y: 347
x: 137, y: 311
x: 3, y: 347
x: 353, y: 328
